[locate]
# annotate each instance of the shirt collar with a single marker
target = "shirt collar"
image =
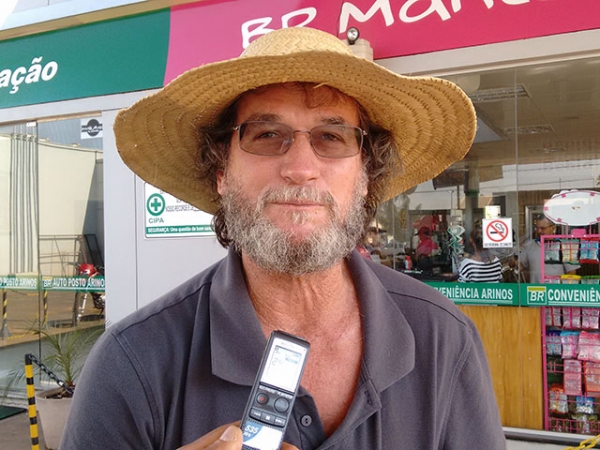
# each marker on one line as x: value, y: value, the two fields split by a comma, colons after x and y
x: 389, y: 343
x: 237, y: 340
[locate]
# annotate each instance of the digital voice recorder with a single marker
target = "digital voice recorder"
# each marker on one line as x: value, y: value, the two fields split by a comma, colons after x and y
x: 270, y: 404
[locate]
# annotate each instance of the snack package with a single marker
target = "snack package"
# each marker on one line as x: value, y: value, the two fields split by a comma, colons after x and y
x: 571, y: 317
x: 572, y: 379
x: 552, y: 280
x: 553, y: 316
x: 552, y: 252
x: 590, y: 318
x: 590, y: 279
x: 570, y: 250
x: 583, y: 405
x: 553, y: 343
x: 557, y: 400
x: 570, y: 344
x: 589, y: 346
x: 570, y: 279
x: 588, y: 251
x: 592, y: 378
x: 557, y: 316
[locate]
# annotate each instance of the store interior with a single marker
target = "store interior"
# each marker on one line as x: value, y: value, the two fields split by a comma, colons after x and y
x: 537, y: 135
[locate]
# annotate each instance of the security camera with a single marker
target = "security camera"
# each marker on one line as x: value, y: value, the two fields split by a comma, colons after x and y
x: 352, y: 34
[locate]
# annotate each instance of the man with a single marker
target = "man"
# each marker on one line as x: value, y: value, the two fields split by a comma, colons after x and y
x: 292, y: 146
x: 530, y: 257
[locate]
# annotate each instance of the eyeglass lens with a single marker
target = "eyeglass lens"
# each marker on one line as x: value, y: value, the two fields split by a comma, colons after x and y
x: 273, y: 138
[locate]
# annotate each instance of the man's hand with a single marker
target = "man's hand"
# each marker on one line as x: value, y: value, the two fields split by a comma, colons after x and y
x: 226, y: 437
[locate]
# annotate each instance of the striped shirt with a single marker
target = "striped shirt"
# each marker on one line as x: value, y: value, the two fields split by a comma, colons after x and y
x: 480, y: 272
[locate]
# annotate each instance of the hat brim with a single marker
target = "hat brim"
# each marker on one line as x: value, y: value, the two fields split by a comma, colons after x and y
x: 432, y: 120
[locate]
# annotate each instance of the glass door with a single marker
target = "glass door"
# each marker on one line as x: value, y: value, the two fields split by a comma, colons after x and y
x: 51, y: 236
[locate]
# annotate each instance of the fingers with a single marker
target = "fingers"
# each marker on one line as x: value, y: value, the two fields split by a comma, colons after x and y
x: 226, y: 437
x: 230, y: 439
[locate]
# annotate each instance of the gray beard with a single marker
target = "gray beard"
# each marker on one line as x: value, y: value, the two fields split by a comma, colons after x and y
x: 276, y: 250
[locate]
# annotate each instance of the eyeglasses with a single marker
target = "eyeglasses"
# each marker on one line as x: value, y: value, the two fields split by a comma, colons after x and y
x: 274, y: 138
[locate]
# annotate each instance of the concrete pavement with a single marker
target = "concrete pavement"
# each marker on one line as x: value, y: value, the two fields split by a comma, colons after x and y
x: 14, y: 433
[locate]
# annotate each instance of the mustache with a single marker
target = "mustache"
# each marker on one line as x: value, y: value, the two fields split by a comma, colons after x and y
x: 301, y: 193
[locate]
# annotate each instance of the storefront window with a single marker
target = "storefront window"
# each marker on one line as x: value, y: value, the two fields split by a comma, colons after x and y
x: 425, y: 232
x: 537, y: 136
x: 538, y: 140
x: 51, y: 231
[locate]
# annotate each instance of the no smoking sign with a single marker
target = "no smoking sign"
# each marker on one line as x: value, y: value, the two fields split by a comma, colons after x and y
x: 497, y: 232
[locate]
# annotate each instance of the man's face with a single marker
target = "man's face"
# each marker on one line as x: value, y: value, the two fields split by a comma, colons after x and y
x: 300, y: 201
x: 544, y: 226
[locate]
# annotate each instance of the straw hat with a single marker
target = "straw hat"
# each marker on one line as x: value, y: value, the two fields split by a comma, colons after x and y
x: 432, y: 120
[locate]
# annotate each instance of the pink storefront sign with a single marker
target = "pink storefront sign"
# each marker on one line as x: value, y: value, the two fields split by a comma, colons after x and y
x: 220, y: 29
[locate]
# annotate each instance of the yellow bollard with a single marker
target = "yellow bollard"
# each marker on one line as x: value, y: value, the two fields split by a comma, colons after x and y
x: 33, y: 424
x: 45, y: 305
x: 5, y: 333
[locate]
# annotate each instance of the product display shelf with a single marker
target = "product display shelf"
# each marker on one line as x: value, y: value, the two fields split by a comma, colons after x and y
x: 571, y: 340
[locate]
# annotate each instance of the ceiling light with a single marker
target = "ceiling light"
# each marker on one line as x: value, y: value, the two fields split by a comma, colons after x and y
x: 527, y: 130
x: 498, y: 94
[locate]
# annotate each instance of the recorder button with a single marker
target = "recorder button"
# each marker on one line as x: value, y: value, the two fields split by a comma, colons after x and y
x: 279, y: 421
x: 281, y: 405
x: 262, y: 398
x: 268, y: 418
x: 256, y: 414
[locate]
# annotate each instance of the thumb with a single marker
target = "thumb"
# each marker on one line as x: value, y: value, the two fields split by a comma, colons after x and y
x: 231, y: 438
x: 231, y: 433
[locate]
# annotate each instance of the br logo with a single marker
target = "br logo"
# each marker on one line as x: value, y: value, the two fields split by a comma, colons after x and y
x: 536, y: 295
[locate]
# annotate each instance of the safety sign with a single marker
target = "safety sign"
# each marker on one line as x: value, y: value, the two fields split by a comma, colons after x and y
x: 497, y: 232
x: 167, y: 216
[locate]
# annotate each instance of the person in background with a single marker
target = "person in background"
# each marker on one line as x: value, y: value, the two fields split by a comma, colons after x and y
x: 511, y: 271
x: 427, y: 246
x: 530, y: 255
x: 482, y: 266
x: 425, y: 250
x: 292, y: 147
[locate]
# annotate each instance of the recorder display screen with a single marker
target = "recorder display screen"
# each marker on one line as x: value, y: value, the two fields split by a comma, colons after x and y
x: 284, y: 366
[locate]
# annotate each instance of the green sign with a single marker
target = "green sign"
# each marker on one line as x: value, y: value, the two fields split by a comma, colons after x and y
x: 77, y: 283
x: 498, y: 294
x: 167, y: 216
x: 513, y: 294
x: 121, y: 55
x: 479, y: 293
x: 179, y: 229
x: 18, y: 283
x: 586, y: 295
